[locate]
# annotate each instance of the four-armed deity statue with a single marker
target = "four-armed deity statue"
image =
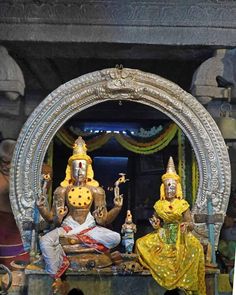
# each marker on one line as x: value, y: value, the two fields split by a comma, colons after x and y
x: 76, y: 225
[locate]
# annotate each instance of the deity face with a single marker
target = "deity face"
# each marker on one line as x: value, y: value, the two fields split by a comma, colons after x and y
x: 79, y: 170
x: 170, y: 188
x: 128, y: 217
x: 5, y: 164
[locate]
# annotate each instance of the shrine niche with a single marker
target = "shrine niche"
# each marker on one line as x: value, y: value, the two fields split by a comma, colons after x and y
x: 136, y: 86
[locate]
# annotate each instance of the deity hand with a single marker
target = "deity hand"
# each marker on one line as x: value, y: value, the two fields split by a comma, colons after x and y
x: 42, y: 202
x: 61, y: 213
x: 185, y: 226
x: 155, y: 222
x: 99, y: 214
x: 118, y: 201
x: 71, y: 240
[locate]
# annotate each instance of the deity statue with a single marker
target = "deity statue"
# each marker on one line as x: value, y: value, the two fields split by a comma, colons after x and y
x: 72, y: 202
x: 128, y: 230
x: 173, y: 255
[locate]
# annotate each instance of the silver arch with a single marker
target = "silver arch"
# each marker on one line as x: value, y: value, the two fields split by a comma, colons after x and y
x: 119, y: 84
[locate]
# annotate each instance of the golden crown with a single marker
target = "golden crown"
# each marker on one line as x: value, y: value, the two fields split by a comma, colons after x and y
x: 170, y: 171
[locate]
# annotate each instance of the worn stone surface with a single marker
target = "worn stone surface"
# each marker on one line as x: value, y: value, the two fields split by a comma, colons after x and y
x: 215, y: 78
x: 10, y: 127
x: 12, y: 82
x: 31, y: 102
x: 108, y: 284
x: 9, y: 107
x: 149, y: 22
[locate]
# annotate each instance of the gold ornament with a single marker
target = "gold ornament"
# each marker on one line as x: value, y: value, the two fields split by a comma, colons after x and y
x: 79, y: 197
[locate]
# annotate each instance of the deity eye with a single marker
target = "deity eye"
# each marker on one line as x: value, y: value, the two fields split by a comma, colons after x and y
x: 169, y: 184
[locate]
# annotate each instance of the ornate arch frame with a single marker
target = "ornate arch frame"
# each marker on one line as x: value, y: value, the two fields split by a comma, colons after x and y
x: 120, y: 84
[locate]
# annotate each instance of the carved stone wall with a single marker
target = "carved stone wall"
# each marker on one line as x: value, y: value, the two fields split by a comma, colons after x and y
x: 114, y: 84
x: 210, y: 22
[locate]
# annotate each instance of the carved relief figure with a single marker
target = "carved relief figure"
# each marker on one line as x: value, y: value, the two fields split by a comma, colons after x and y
x: 173, y: 255
x: 72, y: 202
x: 11, y: 247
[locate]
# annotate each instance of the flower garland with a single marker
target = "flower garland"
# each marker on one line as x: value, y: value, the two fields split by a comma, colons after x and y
x: 129, y: 143
x: 95, y: 143
x: 146, y: 150
x: 143, y: 134
x: 154, y: 142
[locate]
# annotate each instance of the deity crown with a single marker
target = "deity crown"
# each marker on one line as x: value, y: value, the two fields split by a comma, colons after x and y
x: 79, y: 146
x: 79, y: 151
x: 170, y: 171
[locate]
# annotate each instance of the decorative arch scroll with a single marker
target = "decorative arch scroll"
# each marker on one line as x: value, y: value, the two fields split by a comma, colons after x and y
x: 120, y: 84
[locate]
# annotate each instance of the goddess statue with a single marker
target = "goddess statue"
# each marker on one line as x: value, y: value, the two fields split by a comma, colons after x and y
x: 173, y: 255
x: 70, y: 211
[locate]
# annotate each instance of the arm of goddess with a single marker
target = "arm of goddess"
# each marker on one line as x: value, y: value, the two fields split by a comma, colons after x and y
x: 187, y: 223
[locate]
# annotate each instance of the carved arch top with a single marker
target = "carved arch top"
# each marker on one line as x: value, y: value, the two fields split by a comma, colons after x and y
x: 119, y: 84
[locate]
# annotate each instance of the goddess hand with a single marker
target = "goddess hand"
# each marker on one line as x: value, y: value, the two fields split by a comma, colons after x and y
x: 185, y: 226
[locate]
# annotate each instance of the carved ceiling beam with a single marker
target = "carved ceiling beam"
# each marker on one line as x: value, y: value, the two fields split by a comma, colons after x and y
x: 175, y: 22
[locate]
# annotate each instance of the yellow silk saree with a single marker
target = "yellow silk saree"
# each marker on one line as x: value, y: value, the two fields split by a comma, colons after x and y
x: 175, y: 259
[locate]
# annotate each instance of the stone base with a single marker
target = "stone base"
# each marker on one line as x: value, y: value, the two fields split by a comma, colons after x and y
x: 103, y: 282
x: 94, y: 284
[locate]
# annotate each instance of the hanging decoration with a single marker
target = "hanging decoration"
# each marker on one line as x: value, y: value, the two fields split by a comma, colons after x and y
x: 143, y: 134
x: 148, y: 147
x: 137, y: 134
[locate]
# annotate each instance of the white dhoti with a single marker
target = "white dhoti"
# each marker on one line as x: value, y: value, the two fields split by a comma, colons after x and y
x: 88, y: 232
